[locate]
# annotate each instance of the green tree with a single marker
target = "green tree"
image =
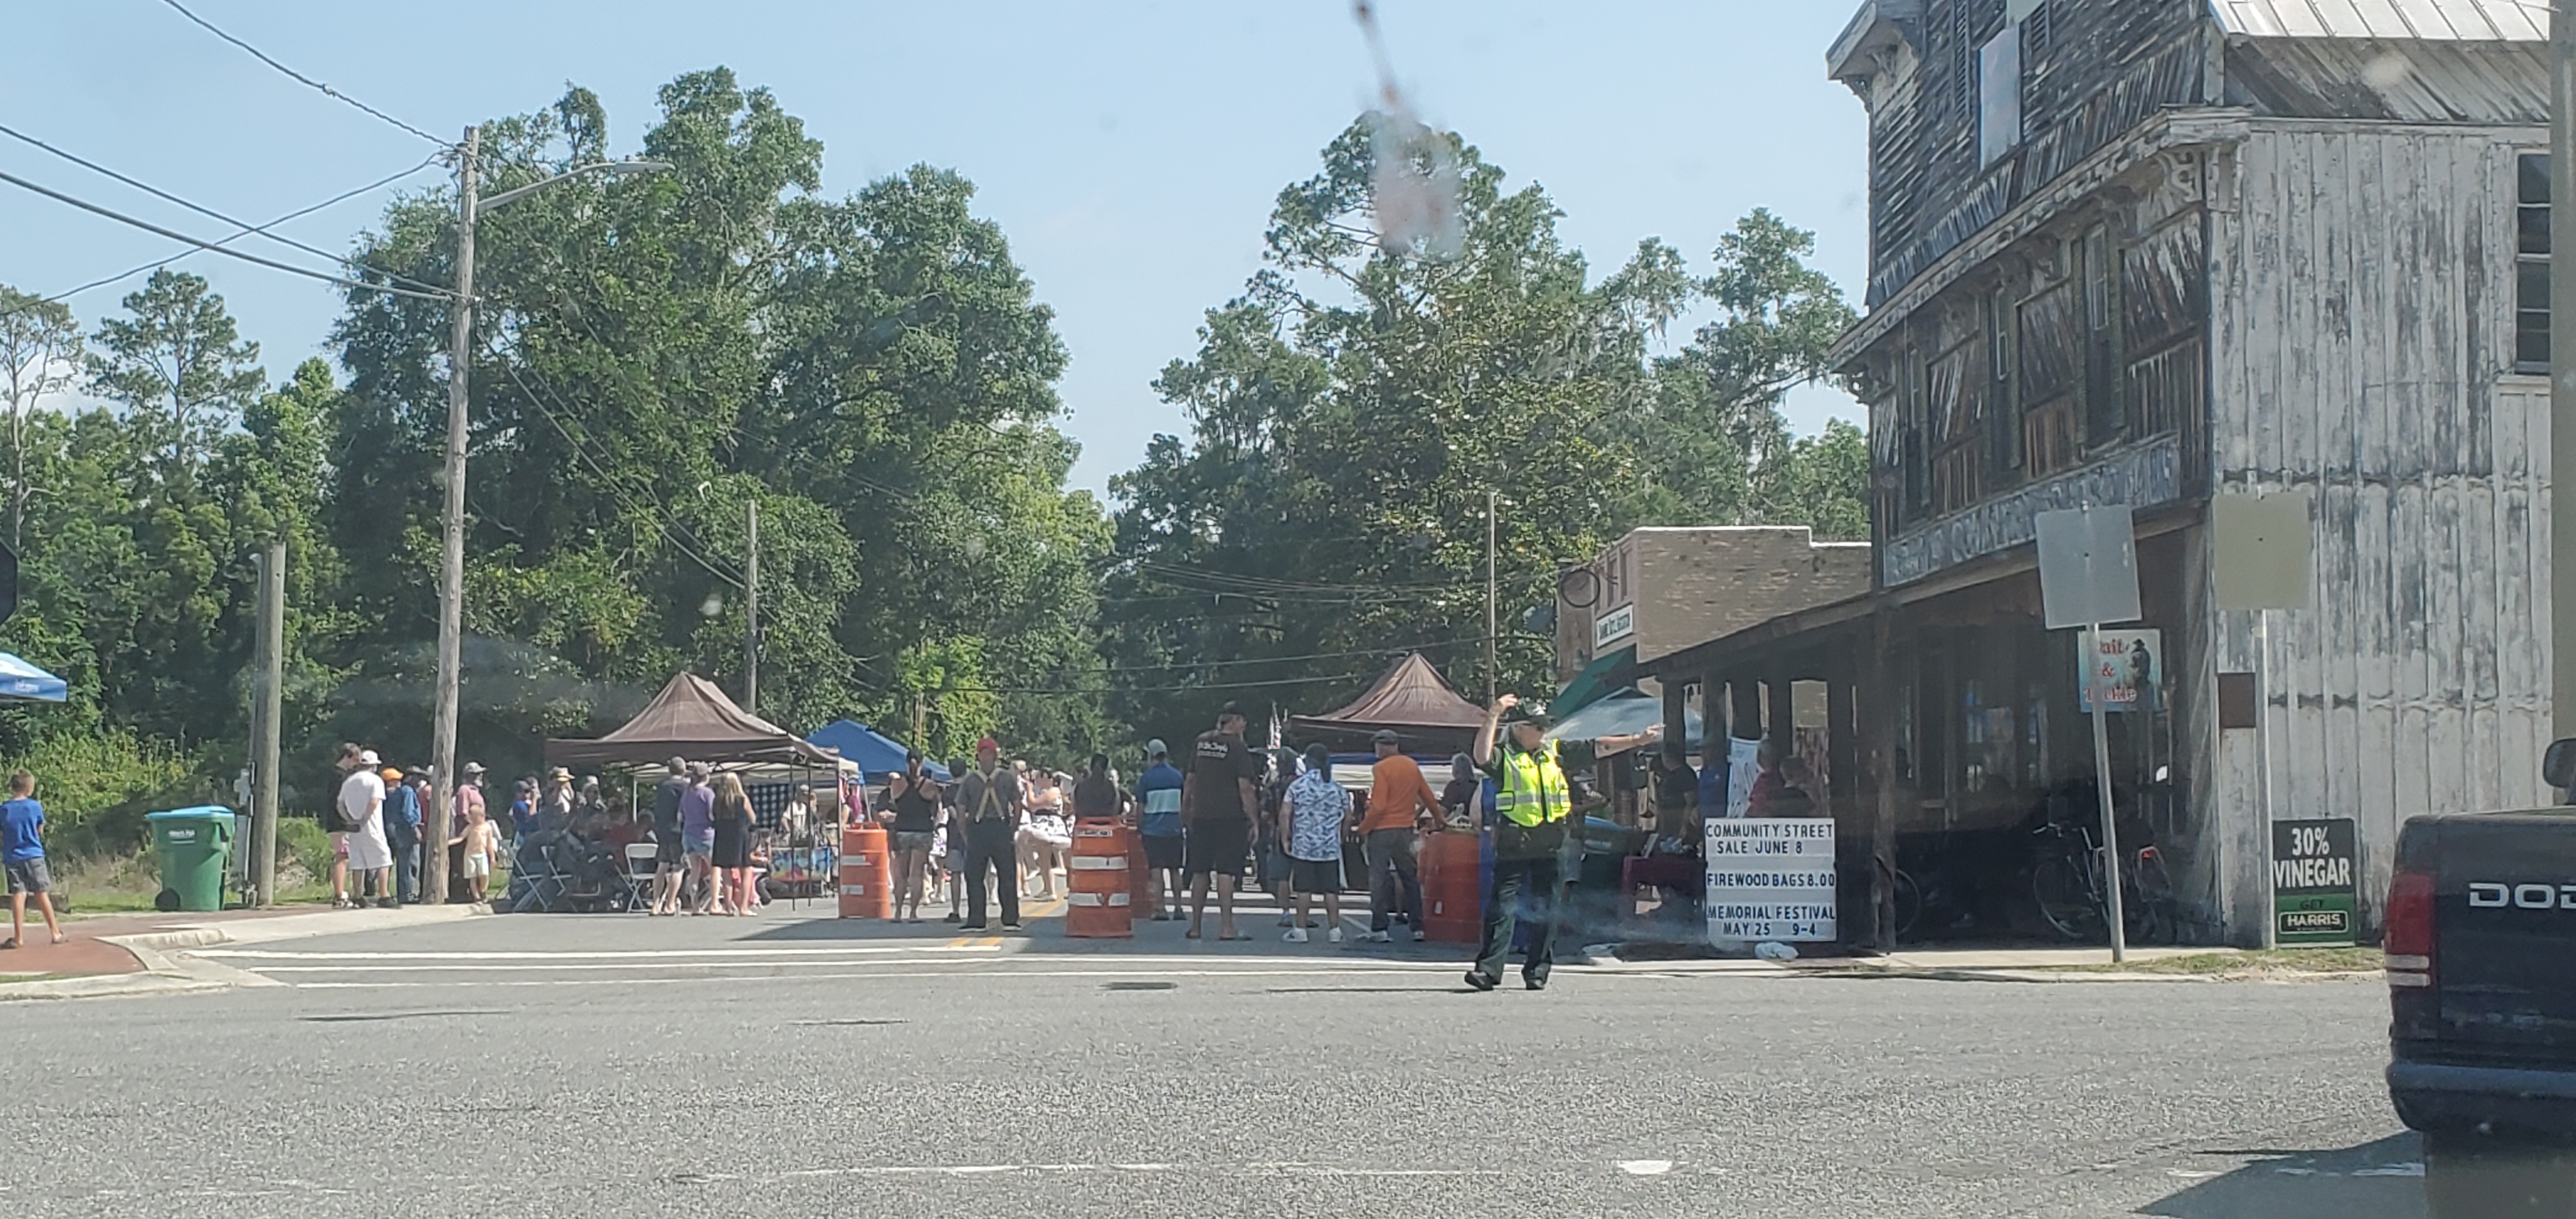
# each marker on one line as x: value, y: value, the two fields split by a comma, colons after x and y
x: 655, y: 354
x: 177, y: 356
x: 40, y: 351
x: 1711, y: 445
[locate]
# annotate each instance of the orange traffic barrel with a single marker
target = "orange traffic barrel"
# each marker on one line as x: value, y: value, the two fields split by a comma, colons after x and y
x: 1099, y: 903
x: 1140, y: 885
x: 1453, y: 887
x: 867, y: 875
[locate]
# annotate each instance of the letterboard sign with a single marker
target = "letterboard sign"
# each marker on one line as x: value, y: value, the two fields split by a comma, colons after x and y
x: 1770, y: 879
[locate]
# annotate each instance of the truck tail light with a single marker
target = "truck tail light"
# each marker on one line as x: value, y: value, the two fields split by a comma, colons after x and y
x: 2409, y: 946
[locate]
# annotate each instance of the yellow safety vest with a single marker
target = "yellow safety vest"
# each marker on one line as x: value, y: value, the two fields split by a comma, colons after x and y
x: 1533, y: 790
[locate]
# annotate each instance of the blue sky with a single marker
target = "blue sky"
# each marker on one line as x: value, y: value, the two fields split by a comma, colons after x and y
x: 1130, y: 150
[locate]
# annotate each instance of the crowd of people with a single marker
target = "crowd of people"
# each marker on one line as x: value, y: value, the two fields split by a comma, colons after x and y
x: 985, y: 830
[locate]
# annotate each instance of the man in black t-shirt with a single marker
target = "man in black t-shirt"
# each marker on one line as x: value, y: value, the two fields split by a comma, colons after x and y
x: 666, y: 837
x: 1218, y: 808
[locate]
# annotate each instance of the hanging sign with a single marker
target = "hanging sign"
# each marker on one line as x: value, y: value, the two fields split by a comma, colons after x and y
x: 1769, y: 879
x: 1616, y: 625
x: 2125, y: 669
x: 2313, y: 881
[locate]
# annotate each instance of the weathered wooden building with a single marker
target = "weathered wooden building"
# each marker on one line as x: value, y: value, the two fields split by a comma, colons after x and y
x: 2155, y: 251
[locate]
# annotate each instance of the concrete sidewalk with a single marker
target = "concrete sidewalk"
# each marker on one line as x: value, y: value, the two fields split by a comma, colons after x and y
x: 136, y: 954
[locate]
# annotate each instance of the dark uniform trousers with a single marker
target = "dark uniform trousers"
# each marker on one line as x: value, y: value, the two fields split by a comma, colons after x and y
x: 1525, y: 864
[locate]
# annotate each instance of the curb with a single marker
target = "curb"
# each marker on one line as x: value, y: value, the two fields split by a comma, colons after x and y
x: 169, y: 970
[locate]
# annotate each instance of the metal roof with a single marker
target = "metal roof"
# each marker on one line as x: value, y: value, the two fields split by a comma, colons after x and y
x: 2428, y: 20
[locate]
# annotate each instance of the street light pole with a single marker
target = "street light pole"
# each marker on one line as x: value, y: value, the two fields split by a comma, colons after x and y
x: 451, y: 565
x: 451, y: 556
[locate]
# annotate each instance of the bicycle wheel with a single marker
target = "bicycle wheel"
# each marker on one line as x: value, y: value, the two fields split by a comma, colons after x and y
x: 1909, y: 904
x: 2065, y: 899
x: 2149, y: 904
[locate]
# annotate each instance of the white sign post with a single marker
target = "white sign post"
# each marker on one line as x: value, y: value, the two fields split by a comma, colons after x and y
x: 2088, y: 576
x: 1770, y: 879
x: 2264, y: 549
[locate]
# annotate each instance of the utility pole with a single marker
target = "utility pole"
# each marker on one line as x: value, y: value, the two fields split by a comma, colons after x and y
x: 751, y: 608
x: 1493, y: 598
x: 266, y: 707
x: 2562, y: 366
x: 451, y: 558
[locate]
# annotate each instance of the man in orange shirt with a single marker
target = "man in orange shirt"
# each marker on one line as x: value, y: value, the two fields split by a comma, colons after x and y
x: 1399, y: 800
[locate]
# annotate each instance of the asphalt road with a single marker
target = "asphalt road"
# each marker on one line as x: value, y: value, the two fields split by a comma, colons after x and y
x: 623, y: 1066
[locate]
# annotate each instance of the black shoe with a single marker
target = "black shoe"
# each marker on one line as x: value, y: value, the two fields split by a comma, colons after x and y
x: 952, y: 917
x: 1480, y: 981
x: 1537, y: 983
x: 1010, y: 926
x: 971, y: 927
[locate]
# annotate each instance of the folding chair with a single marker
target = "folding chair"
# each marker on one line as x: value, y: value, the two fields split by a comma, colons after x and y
x: 642, y: 867
x: 536, y: 885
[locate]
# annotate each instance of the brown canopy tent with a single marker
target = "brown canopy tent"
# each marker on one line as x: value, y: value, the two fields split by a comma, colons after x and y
x: 692, y: 719
x: 1411, y: 698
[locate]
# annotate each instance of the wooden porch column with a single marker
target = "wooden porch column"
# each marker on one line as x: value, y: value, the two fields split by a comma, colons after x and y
x: 1676, y: 709
x: 1783, y: 728
x: 1882, y: 715
x: 1842, y: 740
x: 1746, y: 722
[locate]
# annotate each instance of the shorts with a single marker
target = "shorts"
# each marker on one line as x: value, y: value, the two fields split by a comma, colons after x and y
x: 477, y: 866
x: 339, y: 844
x: 30, y: 876
x: 914, y: 840
x: 1163, y: 852
x: 699, y: 844
x: 1217, y: 848
x: 1315, y: 875
x: 666, y: 850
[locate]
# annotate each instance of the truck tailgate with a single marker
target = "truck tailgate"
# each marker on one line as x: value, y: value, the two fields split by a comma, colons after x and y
x: 2504, y: 962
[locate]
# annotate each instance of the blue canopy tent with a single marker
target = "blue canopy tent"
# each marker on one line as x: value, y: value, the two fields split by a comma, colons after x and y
x: 876, y: 753
x: 18, y: 679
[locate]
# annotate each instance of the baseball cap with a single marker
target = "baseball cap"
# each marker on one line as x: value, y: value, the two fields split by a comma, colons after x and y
x: 1230, y: 710
x: 1157, y: 749
x: 1385, y: 736
x: 676, y: 763
x: 473, y: 768
x: 367, y: 757
x: 988, y: 743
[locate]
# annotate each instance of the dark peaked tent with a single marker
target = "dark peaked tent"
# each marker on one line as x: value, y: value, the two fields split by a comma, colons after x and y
x: 1411, y: 698
x: 691, y: 719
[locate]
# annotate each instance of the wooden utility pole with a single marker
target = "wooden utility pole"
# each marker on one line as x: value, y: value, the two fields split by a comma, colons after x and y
x: 2562, y: 365
x: 451, y: 558
x: 751, y: 608
x: 267, y: 702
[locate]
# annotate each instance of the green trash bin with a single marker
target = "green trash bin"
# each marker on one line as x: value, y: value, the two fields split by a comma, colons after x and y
x: 195, y: 846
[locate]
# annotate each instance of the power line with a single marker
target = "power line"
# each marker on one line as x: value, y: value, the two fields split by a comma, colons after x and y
x: 298, y: 213
x: 174, y: 235
x: 664, y: 522
x: 301, y: 78
x: 201, y: 210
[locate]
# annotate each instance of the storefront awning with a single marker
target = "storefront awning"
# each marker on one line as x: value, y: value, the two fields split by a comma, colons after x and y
x: 1624, y: 713
x: 1592, y: 684
x: 18, y: 679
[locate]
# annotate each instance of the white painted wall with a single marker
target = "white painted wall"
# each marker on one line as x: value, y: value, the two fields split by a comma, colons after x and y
x: 2362, y: 292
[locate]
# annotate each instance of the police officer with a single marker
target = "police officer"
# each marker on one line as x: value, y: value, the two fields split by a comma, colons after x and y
x: 1533, y: 804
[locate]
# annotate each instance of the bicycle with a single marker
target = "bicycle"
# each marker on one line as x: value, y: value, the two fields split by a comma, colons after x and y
x: 2067, y: 886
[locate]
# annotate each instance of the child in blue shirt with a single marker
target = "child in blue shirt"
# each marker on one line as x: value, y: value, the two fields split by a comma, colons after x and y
x: 22, y: 852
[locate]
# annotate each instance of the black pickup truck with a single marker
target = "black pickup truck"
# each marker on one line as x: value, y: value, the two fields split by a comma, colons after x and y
x: 2481, y: 957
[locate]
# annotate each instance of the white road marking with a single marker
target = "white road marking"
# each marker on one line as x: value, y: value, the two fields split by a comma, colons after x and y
x: 1645, y: 1168
x: 575, y: 955
x: 831, y: 977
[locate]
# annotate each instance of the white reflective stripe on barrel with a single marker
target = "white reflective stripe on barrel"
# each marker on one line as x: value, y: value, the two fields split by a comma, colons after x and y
x: 1096, y: 899
x: 1099, y: 863
x: 854, y: 890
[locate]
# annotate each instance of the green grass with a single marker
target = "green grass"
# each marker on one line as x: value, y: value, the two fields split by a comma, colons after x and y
x: 2278, y: 962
